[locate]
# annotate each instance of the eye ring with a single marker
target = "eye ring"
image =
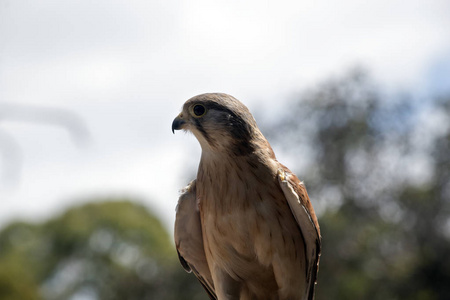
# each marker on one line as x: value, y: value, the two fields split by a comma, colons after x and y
x: 198, y: 110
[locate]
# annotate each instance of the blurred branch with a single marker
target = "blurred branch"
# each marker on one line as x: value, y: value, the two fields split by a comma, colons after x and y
x: 11, y: 157
x: 70, y: 121
x: 10, y: 149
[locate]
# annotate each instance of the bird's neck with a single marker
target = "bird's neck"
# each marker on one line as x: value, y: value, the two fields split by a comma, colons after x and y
x: 225, y: 165
x: 226, y: 182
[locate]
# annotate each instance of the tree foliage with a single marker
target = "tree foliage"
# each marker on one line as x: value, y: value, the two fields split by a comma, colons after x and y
x: 377, y: 168
x: 109, y: 250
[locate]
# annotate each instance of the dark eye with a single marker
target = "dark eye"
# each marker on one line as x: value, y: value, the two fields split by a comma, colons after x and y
x: 199, y: 110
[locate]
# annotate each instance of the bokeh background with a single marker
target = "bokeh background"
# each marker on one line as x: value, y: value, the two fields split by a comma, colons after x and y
x: 354, y: 96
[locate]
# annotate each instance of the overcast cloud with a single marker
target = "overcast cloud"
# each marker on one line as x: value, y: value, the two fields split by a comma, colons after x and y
x: 126, y: 67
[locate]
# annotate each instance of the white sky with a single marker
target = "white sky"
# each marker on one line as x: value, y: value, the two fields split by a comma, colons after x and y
x: 126, y: 67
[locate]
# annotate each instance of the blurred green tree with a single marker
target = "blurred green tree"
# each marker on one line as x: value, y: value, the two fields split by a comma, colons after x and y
x: 377, y: 167
x: 108, y: 250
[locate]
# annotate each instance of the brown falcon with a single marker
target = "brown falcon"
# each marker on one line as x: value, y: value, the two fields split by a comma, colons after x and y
x: 245, y: 227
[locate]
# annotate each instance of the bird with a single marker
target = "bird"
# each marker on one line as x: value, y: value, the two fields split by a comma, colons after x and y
x: 245, y: 227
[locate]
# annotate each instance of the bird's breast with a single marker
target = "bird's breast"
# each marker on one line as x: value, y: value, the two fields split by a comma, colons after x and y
x: 245, y: 218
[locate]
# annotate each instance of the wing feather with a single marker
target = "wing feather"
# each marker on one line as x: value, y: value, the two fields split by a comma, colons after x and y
x: 189, y: 239
x: 301, y: 207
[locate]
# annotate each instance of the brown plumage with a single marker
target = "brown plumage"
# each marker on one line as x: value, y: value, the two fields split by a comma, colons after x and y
x: 245, y: 227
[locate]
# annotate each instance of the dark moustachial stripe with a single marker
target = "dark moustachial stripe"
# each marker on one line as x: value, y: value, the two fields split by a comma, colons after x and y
x: 199, y: 126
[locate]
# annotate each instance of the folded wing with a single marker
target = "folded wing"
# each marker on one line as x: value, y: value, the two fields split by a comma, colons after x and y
x: 298, y: 200
x: 189, y: 239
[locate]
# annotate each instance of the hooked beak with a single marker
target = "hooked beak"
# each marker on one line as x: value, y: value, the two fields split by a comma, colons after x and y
x: 178, y: 123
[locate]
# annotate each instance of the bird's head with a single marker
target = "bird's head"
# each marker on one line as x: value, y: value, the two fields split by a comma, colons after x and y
x: 220, y: 122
